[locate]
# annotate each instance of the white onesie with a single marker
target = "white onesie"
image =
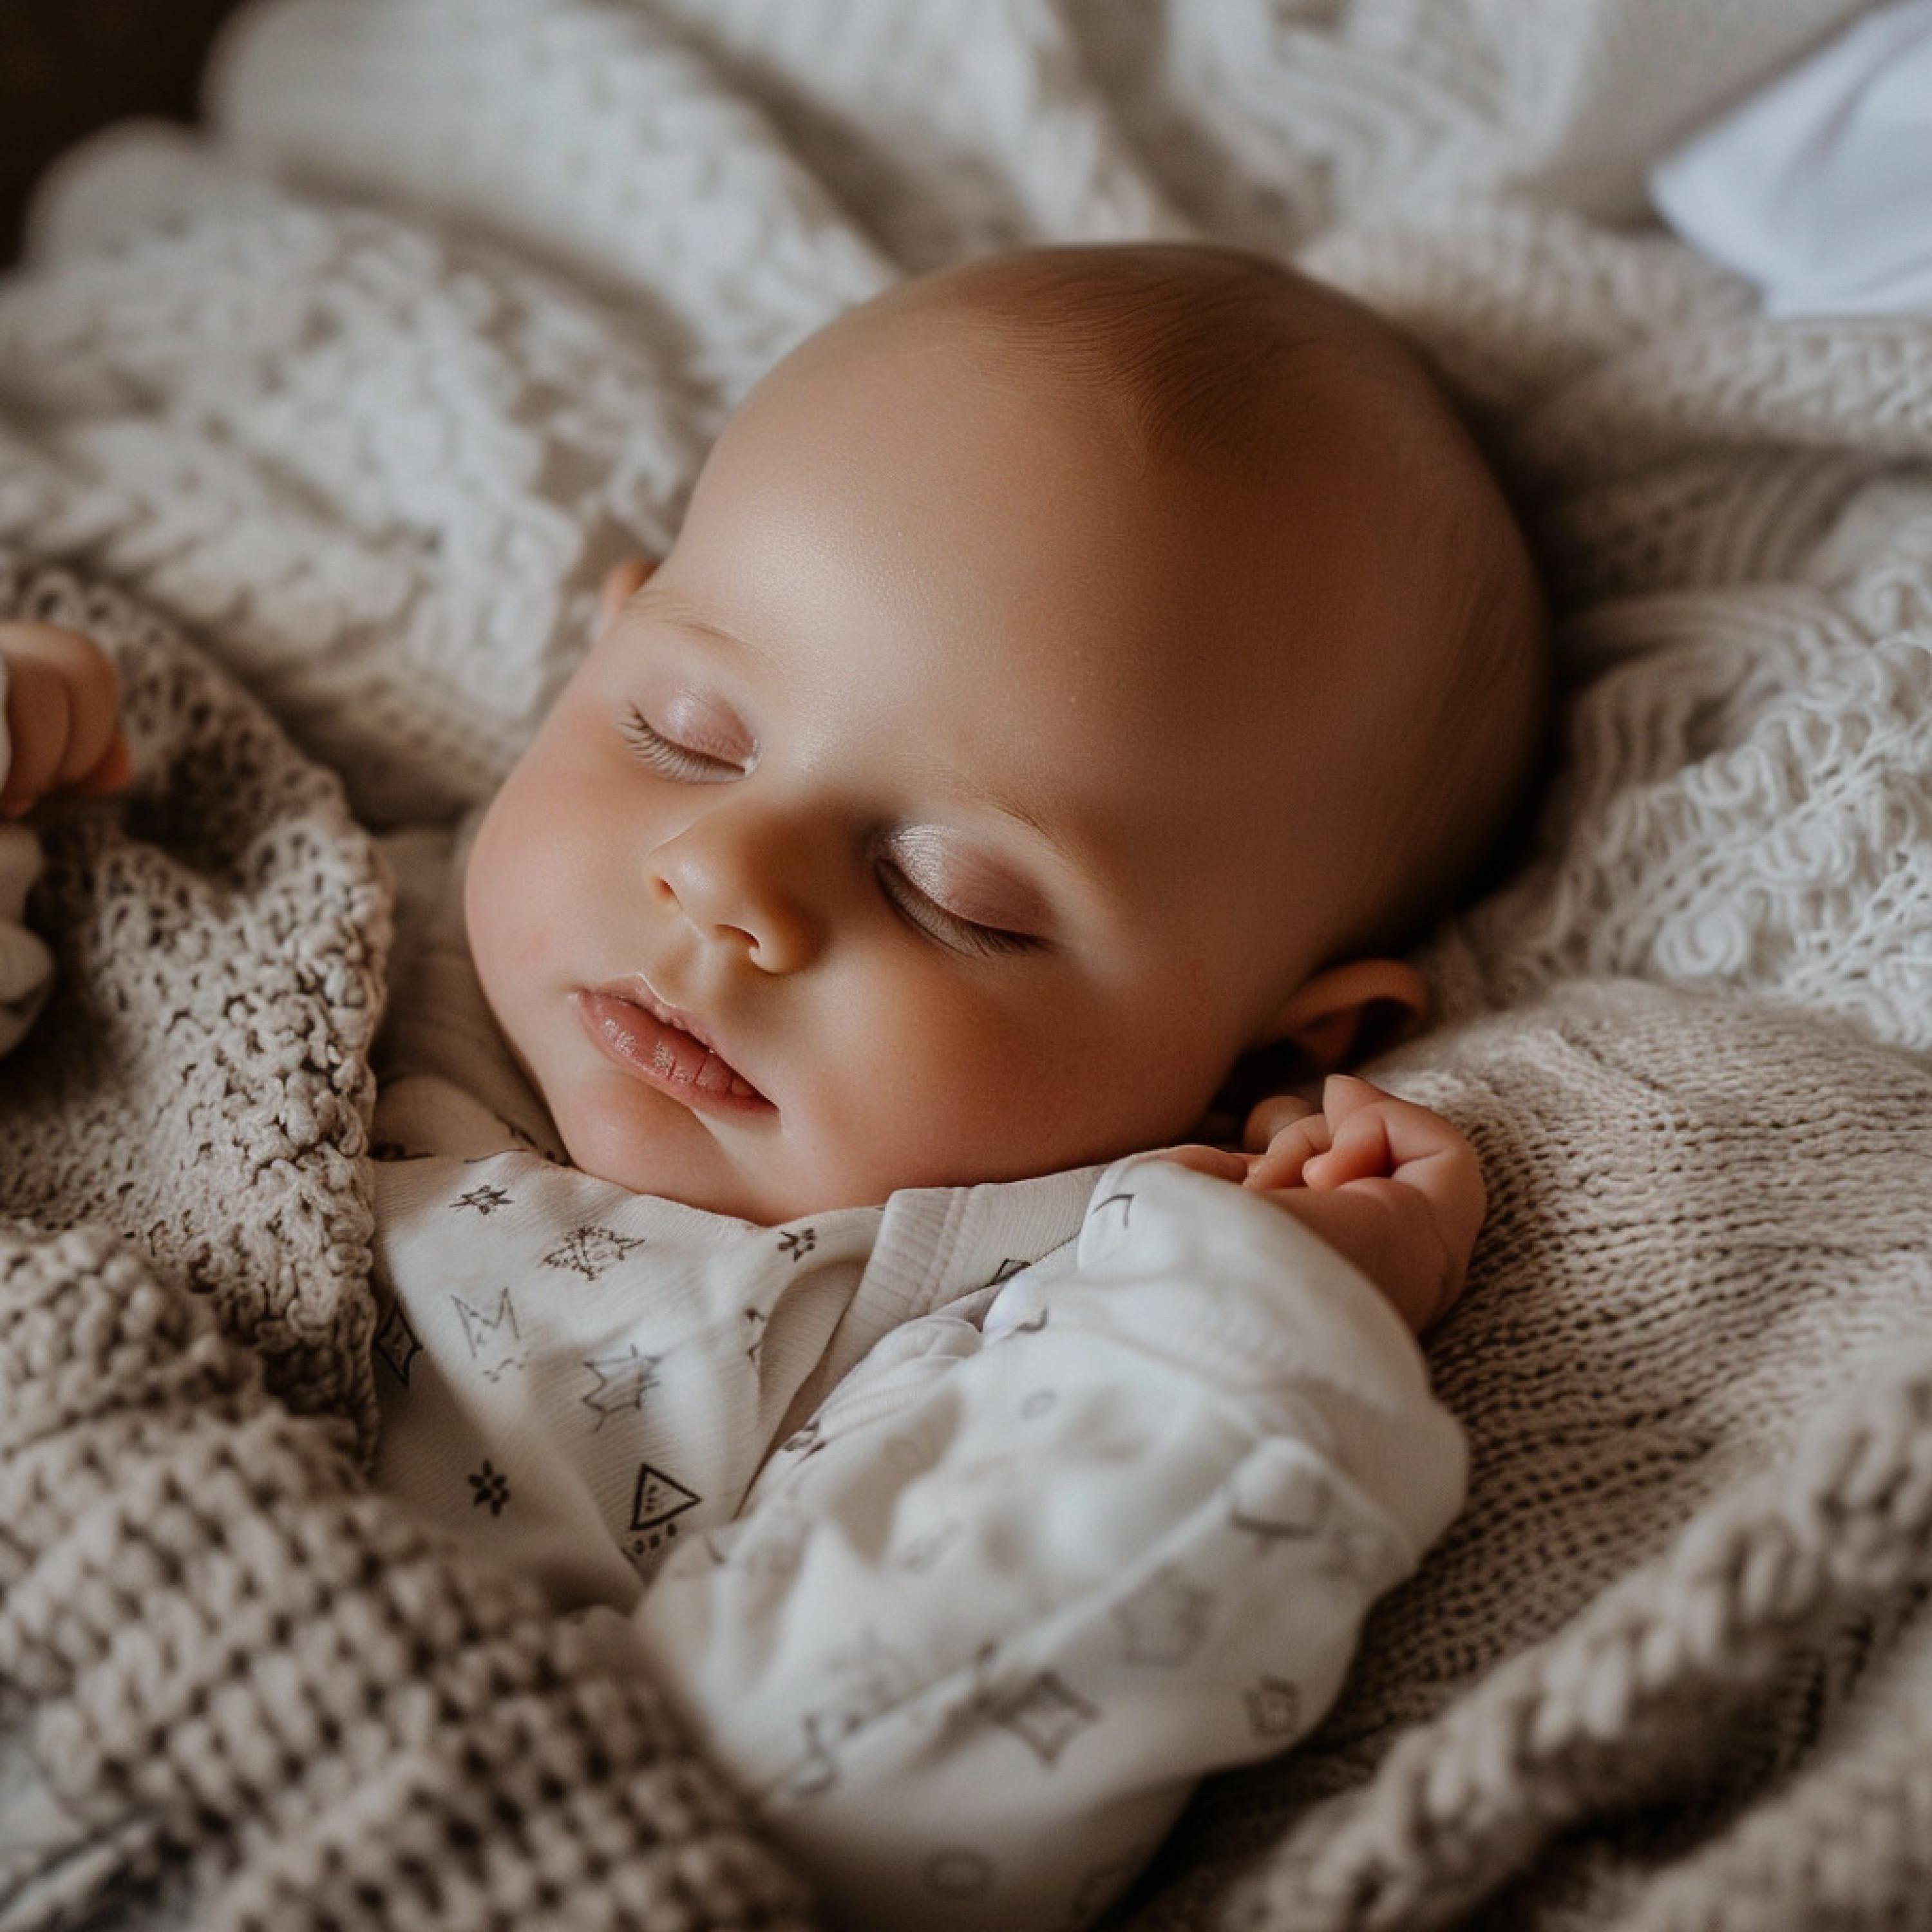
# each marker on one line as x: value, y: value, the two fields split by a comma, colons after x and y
x: 967, y: 1533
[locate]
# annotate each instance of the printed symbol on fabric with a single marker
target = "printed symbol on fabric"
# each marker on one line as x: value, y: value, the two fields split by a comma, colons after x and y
x: 755, y: 1318
x: 1046, y: 1716
x: 806, y: 1441
x: 1037, y: 1404
x: 656, y: 1503
x: 1276, y: 1511
x: 1274, y: 1708
x: 490, y: 1489
x: 589, y: 1251
x: 1124, y: 1202
x: 959, y: 1873
x: 1354, y: 1551
x: 816, y: 1772
x: 622, y: 1382
x: 485, y: 1199
x: 796, y: 1243
x: 1163, y: 1621
x: 396, y: 1343
x: 495, y: 1341
x: 1007, y: 1270
x: 921, y: 1552
x: 870, y: 1678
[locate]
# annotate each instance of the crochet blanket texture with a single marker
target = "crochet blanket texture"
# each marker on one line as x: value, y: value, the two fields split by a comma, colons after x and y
x: 329, y: 419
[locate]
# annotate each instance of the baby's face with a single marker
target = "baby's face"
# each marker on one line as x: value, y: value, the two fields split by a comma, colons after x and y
x: 924, y: 818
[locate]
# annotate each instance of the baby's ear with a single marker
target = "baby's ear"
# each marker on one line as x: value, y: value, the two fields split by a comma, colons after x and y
x: 1338, y: 1014
x: 622, y: 582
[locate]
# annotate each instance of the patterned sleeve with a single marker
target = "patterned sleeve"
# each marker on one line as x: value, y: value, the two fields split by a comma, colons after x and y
x: 26, y: 966
x: 1020, y: 1587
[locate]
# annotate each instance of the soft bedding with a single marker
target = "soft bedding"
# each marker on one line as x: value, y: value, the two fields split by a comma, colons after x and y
x: 337, y: 413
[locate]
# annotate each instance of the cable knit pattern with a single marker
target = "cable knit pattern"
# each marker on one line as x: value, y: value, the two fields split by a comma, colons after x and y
x: 362, y: 388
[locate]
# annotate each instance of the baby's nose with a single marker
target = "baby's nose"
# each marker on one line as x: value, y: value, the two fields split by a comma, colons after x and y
x: 728, y: 881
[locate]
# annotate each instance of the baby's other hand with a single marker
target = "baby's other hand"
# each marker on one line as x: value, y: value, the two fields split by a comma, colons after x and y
x: 1396, y: 1188
x: 63, y: 717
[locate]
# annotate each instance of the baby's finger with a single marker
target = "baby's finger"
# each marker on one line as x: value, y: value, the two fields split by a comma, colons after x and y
x: 1358, y: 1149
x: 113, y: 771
x: 1219, y: 1161
x: 37, y: 722
x: 1293, y: 1145
x: 1267, y: 1118
x: 94, y: 716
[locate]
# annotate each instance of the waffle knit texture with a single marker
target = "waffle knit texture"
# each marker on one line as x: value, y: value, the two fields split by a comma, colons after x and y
x: 350, y: 401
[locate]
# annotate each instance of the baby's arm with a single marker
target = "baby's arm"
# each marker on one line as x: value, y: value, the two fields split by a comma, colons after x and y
x: 1021, y: 1587
x: 59, y: 730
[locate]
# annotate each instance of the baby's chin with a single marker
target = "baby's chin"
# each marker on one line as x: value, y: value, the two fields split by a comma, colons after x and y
x: 663, y: 1150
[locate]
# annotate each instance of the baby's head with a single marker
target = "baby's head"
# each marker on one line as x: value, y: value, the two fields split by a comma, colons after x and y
x: 1075, y: 670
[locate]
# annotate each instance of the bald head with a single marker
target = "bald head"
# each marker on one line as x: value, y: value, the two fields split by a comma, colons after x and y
x: 1215, y: 365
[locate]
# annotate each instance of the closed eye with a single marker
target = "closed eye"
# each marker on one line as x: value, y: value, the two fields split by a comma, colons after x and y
x: 928, y: 915
x: 670, y: 759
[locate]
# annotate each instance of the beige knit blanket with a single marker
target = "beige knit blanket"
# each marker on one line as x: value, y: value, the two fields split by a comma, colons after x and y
x: 353, y: 400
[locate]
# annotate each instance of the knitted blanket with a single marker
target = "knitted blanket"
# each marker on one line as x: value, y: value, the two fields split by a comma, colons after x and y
x: 329, y: 419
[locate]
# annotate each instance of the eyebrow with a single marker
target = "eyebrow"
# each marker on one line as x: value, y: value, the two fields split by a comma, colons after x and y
x: 668, y: 607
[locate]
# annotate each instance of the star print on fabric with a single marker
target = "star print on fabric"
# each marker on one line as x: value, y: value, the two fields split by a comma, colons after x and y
x: 806, y: 1441
x: 869, y: 1678
x: 396, y: 1343
x: 656, y: 1505
x: 818, y: 1770
x: 589, y: 1251
x: 622, y: 1382
x: 755, y: 1318
x: 1163, y: 1621
x: 1354, y: 1552
x: 958, y: 1872
x: 484, y: 1199
x: 1274, y: 1708
x: 1124, y: 1202
x: 1279, y: 1509
x: 490, y: 1489
x: 1007, y: 1270
x: 1045, y: 1716
x: 920, y: 1553
x: 495, y: 1341
x: 797, y: 1242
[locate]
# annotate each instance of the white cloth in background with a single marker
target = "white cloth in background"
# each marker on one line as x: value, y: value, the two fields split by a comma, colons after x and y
x: 1112, y: 1464
x: 1819, y: 187
x: 26, y: 966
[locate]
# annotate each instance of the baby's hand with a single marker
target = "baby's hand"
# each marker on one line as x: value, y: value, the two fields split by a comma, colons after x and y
x: 63, y: 717
x: 1394, y: 1187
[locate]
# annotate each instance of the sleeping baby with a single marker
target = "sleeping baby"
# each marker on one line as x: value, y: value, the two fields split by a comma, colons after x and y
x: 1078, y: 672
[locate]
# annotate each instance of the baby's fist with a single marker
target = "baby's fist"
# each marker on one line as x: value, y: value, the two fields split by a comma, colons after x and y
x: 62, y: 717
x: 1396, y: 1188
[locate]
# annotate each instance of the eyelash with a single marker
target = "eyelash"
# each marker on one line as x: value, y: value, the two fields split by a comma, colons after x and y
x: 672, y: 760
x: 928, y: 916
x: 924, y: 914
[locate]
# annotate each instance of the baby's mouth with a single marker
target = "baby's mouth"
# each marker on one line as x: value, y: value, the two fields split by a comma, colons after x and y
x: 664, y: 1049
